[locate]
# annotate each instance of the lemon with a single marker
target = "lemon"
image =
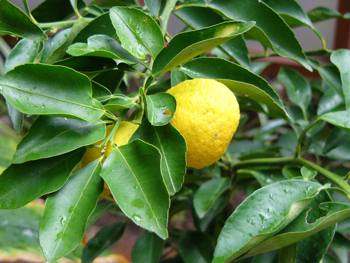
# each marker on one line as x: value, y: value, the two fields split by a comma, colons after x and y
x: 121, y: 137
x: 207, y: 115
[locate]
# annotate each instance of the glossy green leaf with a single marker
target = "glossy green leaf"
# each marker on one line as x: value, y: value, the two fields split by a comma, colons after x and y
x: 173, y: 161
x: 330, y: 74
x: 14, y: 21
x: 298, y: 89
x: 212, y: 214
x: 19, y: 231
x: 25, y: 51
x: 61, y: 135
x: 340, y: 119
x: 268, y: 29
x: 336, y: 138
x: 50, y: 90
x: 102, y: 206
x: 262, y: 215
x: 208, y: 193
x: 322, y: 13
x: 57, y: 46
x: 154, y: 6
x: 88, y: 65
x: 55, y: 10
x: 105, y: 238
x: 187, y: 45
x: 196, y: 247
x: 138, y: 189
x: 53, y: 44
x: 307, y: 173
x: 160, y: 108
x: 22, y: 183
x: 236, y: 78
x: 7, y: 149
x: 330, y: 101
x: 62, y: 226
x: 138, y: 32
x: 177, y: 76
x: 266, y: 176
x: 322, y: 215
x: 341, y: 59
x: 120, y: 101
x: 287, y: 254
x: 101, y: 46
x: 200, y: 17
x: 99, y: 25
x: 147, y: 249
x: 100, y: 92
x: 269, y: 127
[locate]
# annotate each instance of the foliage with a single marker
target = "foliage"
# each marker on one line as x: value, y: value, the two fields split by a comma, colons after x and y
x: 66, y: 79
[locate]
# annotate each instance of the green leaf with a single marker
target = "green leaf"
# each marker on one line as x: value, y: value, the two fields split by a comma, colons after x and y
x: 262, y: 215
x: 50, y: 90
x: 212, y: 214
x: 307, y: 173
x: 287, y: 254
x: 208, y: 193
x: 187, y: 45
x: 105, y: 238
x: 147, y: 249
x: 88, y: 65
x: 60, y: 135
x: 110, y: 79
x: 200, y: 17
x: 336, y: 138
x: 7, y: 149
x: 53, y: 44
x: 55, y: 10
x: 14, y: 21
x: 67, y: 211
x: 110, y: 3
x: 320, y: 215
x: 118, y: 102
x: 19, y: 231
x: 330, y: 101
x: 196, y: 247
x: 330, y: 74
x: 100, y: 25
x: 238, y: 79
x: 138, y: 189
x: 22, y: 183
x: 340, y: 119
x: 101, y: 46
x: 100, y: 92
x: 298, y: 89
x: 266, y: 176
x: 322, y: 13
x: 25, y: 51
x: 270, y: 29
x: 57, y: 46
x: 137, y: 31
x: 74, y: 4
x: 154, y: 6
x: 173, y: 161
x: 341, y: 59
x: 160, y: 108
x: 177, y: 76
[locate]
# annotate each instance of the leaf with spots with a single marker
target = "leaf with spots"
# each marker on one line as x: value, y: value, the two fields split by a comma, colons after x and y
x: 132, y: 173
x: 263, y: 214
x: 160, y: 108
x: 67, y: 211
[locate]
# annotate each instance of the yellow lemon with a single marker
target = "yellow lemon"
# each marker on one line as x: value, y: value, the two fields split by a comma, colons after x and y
x: 207, y: 115
x: 121, y: 137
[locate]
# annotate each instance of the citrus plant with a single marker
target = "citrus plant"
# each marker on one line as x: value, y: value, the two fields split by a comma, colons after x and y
x: 177, y: 128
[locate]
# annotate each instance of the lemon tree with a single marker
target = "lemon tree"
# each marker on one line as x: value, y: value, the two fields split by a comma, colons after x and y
x: 183, y: 135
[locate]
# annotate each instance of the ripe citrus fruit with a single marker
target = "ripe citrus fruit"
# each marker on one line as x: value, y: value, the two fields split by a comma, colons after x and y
x: 121, y: 137
x: 207, y: 115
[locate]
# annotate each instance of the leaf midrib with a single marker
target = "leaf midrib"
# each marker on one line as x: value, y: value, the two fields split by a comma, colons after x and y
x: 65, y: 227
x: 53, y: 98
x: 132, y: 172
